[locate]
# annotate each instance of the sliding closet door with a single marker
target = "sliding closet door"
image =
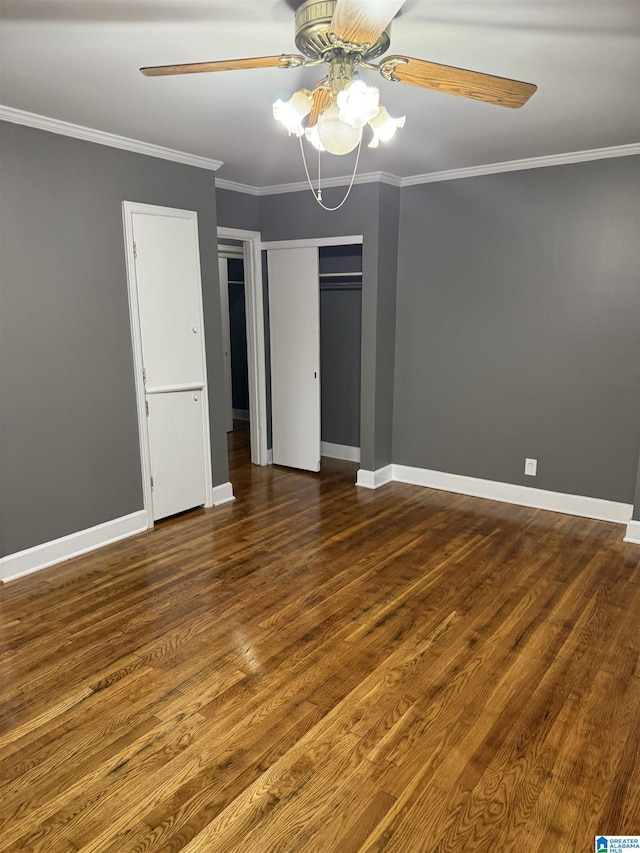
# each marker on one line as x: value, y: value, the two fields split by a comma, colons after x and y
x: 294, y: 322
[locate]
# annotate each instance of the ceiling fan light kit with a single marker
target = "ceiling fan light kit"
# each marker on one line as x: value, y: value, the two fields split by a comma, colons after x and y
x: 345, y: 34
x: 349, y: 105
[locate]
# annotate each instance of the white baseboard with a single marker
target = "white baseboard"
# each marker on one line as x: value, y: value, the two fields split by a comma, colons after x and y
x: 340, y: 451
x: 270, y: 456
x: 597, y: 508
x: 222, y: 494
x: 241, y: 414
x: 374, y: 479
x: 39, y: 557
x: 633, y: 532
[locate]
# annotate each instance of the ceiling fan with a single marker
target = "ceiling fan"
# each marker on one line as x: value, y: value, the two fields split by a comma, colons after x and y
x: 353, y: 32
x: 346, y: 35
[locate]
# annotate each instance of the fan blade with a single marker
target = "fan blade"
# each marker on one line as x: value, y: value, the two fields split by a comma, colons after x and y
x: 457, y: 81
x: 321, y: 99
x: 363, y: 21
x: 283, y: 61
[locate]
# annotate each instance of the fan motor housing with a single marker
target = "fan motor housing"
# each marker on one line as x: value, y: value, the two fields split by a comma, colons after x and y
x: 313, y: 21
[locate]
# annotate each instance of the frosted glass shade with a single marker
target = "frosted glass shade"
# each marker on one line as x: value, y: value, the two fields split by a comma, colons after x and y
x: 384, y: 127
x: 358, y: 103
x: 312, y: 135
x: 337, y: 136
x: 291, y: 112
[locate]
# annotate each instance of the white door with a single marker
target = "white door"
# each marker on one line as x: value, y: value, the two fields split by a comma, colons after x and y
x: 223, y: 270
x: 294, y: 323
x: 177, y: 450
x: 169, y: 301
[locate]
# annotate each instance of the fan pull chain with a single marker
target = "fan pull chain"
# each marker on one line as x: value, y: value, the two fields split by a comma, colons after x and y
x: 317, y: 194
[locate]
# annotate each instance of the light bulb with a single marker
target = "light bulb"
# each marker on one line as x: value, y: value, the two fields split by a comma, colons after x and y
x: 358, y: 103
x: 337, y: 136
x: 291, y: 112
x: 384, y: 127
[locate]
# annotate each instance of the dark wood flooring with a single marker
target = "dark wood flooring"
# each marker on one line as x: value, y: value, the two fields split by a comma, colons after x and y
x: 317, y: 667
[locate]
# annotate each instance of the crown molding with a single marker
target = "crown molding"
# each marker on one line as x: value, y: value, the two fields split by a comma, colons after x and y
x: 520, y: 165
x: 448, y: 175
x: 235, y: 187
x: 100, y: 137
x: 345, y: 180
x: 53, y: 125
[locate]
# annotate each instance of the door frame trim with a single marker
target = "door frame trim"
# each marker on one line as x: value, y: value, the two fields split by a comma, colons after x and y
x: 254, y: 309
x: 315, y: 242
x: 129, y: 208
x: 254, y: 306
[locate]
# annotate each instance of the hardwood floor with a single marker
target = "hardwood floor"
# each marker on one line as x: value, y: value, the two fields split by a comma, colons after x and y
x: 316, y: 667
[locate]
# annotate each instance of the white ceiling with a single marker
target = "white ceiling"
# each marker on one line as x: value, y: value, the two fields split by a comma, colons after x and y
x: 78, y: 60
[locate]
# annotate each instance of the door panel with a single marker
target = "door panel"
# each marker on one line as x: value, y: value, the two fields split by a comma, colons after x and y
x: 294, y: 320
x: 169, y: 298
x: 176, y: 446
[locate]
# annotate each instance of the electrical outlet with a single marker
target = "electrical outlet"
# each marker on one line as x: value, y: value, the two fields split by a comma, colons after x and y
x: 530, y: 467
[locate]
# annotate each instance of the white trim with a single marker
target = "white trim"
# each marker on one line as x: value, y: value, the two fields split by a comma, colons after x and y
x: 448, y: 174
x: 521, y: 165
x: 129, y: 208
x: 170, y: 389
x: 270, y: 456
x: 374, y: 479
x: 340, y: 451
x: 136, y: 340
x: 254, y: 312
x: 314, y: 242
x: 222, y: 494
x: 49, y: 553
x: 344, y: 180
x: 633, y: 532
x: 240, y: 414
x: 581, y: 505
x: 234, y: 187
x: 101, y: 137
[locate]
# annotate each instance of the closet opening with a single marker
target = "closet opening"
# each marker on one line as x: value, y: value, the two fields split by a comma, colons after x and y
x: 234, y: 334
x: 340, y: 281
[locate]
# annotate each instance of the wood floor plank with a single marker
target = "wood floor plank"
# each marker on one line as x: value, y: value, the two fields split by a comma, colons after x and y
x: 316, y: 667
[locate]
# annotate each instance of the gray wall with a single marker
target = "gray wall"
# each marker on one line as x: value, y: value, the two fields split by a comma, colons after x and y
x: 518, y: 328
x: 340, y: 322
x: 69, y: 452
x: 508, y: 328
x: 237, y: 210
x: 385, y: 323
